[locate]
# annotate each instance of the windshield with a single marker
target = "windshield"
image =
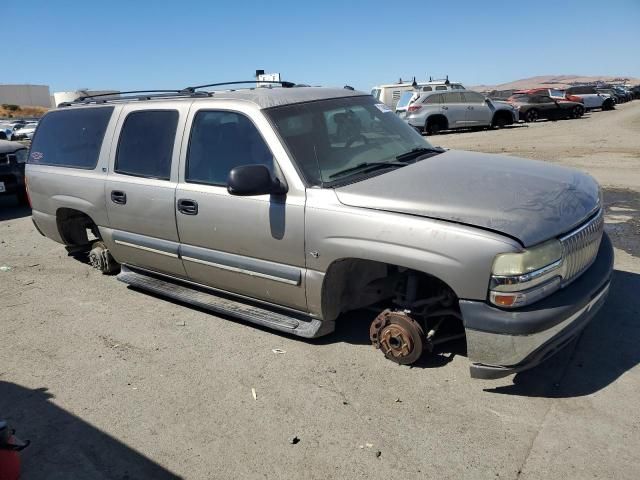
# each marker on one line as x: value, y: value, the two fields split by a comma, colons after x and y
x: 330, y: 136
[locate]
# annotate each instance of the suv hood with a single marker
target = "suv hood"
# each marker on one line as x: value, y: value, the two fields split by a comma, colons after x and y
x: 529, y: 200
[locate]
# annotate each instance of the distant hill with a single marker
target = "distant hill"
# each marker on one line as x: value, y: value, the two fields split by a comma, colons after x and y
x: 554, y: 81
x: 15, y: 111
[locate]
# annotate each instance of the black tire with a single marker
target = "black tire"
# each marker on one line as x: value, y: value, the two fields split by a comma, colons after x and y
x: 433, y: 127
x: 531, y: 116
x: 608, y: 105
x: 3, y: 136
x: 580, y: 110
x: 499, y: 121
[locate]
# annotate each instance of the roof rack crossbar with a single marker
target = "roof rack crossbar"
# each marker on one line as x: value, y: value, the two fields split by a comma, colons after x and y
x: 197, y: 87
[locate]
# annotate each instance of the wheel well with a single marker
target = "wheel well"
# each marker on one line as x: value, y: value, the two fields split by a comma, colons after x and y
x: 75, y: 227
x: 502, y: 113
x: 353, y: 283
x: 438, y: 118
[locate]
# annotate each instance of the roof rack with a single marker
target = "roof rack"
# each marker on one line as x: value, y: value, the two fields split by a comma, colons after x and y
x: 198, y: 87
x: 149, y: 94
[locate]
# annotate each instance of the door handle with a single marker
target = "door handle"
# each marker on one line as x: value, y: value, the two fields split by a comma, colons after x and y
x: 188, y: 207
x: 445, y: 108
x: 118, y: 197
x: 470, y: 108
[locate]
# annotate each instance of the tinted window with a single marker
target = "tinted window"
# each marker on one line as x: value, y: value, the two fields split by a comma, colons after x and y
x: 427, y: 89
x: 472, y: 97
x: 582, y: 90
x: 146, y: 144
x: 453, y: 97
x: 221, y: 141
x: 431, y: 99
x: 441, y: 87
x: 70, y: 138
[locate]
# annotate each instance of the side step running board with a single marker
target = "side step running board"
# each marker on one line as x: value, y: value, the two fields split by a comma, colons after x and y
x: 302, y: 326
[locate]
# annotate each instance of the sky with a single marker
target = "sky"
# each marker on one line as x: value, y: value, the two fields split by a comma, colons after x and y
x: 143, y: 44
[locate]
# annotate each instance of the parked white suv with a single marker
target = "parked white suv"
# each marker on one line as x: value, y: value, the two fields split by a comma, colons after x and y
x: 435, y: 111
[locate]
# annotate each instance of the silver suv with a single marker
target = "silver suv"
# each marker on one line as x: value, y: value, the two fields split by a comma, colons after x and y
x: 289, y: 207
x: 433, y: 112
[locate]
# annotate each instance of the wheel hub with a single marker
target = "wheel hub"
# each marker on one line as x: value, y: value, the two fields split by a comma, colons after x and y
x: 398, y: 336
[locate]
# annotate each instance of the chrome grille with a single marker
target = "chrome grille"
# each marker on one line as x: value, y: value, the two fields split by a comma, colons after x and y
x: 580, y: 247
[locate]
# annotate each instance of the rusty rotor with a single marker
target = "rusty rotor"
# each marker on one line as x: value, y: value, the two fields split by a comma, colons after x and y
x: 399, y: 336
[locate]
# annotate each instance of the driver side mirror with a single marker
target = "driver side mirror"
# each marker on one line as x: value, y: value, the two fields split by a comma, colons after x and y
x: 248, y: 180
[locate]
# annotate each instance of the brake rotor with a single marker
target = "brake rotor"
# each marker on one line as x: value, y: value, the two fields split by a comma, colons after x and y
x: 399, y: 336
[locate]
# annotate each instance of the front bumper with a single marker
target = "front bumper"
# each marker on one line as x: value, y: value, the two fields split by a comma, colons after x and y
x: 503, y: 342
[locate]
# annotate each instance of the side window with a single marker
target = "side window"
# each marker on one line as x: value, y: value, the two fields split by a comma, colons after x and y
x: 427, y: 89
x: 146, y: 142
x: 453, y: 97
x: 221, y: 141
x: 70, y: 138
x: 433, y: 99
x: 472, y: 97
x: 441, y: 87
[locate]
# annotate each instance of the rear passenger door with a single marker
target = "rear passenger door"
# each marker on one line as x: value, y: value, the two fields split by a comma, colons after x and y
x: 247, y: 245
x: 454, y: 109
x: 141, y: 184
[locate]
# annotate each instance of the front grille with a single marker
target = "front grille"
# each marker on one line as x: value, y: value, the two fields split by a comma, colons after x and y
x: 580, y: 247
x: 4, y: 159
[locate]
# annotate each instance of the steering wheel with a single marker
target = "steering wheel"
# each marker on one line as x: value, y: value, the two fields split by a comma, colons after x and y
x: 355, y: 138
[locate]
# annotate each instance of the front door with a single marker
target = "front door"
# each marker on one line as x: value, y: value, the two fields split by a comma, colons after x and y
x: 140, y: 187
x: 247, y: 245
x: 478, y: 111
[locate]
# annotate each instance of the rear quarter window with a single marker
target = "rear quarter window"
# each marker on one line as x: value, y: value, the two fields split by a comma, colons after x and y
x: 70, y: 138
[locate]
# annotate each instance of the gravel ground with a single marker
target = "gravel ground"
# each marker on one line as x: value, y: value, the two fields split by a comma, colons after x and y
x: 109, y: 382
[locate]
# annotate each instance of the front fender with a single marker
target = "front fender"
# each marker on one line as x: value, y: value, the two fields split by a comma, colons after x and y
x: 459, y: 255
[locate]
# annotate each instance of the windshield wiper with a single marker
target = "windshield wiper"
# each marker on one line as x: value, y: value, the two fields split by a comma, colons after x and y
x: 418, y: 152
x: 367, y: 167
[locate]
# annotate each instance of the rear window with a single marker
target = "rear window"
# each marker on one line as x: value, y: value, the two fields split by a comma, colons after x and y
x: 405, y: 99
x: 70, y: 138
x: 146, y: 144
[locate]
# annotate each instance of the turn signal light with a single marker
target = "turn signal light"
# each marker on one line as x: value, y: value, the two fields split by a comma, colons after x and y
x: 414, y: 108
x: 504, y: 300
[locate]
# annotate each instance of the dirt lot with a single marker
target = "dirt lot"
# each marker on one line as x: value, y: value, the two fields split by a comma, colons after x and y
x: 109, y: 382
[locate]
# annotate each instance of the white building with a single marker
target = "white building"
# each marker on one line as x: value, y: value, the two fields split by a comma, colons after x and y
x: 25, y: 95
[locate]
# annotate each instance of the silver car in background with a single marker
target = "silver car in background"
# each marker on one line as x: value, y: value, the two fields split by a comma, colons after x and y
x: 432, y: 112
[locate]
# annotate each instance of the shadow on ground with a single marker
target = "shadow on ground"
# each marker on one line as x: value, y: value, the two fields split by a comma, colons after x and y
x: 64, y: 446
x: 10, y: 208
x: 607, y: 349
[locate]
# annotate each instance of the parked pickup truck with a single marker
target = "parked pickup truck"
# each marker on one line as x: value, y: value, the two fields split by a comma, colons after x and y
x: 288, y: 207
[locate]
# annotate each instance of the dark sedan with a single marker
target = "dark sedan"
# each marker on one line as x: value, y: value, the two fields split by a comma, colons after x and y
x: 13, y: 156
x: 535, y: 107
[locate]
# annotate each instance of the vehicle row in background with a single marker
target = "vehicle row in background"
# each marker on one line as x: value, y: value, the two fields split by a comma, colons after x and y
x: 17, y: 129
x: 13, y: 156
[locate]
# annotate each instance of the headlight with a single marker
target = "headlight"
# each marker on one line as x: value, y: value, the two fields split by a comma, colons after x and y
x: 522, y: 278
